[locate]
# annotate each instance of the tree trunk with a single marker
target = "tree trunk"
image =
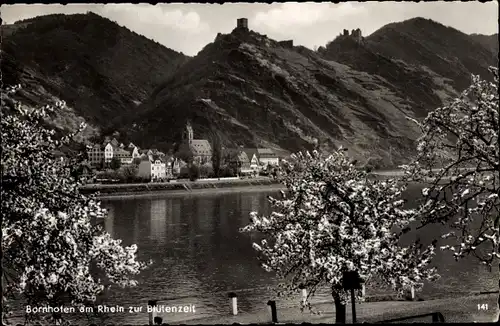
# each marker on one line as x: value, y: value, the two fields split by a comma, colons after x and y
x: 340, y: 309
x: 498, y: 301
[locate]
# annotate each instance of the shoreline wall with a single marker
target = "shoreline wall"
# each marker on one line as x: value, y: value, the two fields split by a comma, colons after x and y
x: 186, y: 187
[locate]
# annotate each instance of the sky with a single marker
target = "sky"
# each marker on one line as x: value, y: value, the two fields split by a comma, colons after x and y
x: 188, y: 27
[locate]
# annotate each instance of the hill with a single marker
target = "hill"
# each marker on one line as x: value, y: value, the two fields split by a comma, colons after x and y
x: 424, y: 42
x: 353, y: 92
x: 100, y: 69
x: 488, y: 41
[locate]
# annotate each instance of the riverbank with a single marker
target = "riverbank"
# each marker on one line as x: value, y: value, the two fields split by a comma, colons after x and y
x: 181, y: 187
x: 456, y: 309
x: 201, y: 186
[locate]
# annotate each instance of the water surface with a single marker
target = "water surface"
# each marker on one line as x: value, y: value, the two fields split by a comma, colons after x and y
x: 199, y: 255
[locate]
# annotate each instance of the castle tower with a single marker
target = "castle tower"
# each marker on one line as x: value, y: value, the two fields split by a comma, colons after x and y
x: 357, y: 35
x: 242, y: 23
x: 189, y: 133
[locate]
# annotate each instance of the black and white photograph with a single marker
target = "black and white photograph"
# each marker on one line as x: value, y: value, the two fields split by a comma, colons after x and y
x: 250, y: 163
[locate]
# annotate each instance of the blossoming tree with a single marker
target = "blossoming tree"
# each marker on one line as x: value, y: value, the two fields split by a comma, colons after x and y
x: 458, y: 156
x: 49, y: 239
x: 335, y: 219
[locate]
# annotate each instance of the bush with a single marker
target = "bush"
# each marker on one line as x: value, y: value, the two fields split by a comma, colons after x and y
x: 115, y: 163
x: 108, y: 174
x: 136, y: 161
x: 227, y: 172
x: 128, y: 173
x: 194, y: 172
x: 206, y: 171
x: 184, y: 173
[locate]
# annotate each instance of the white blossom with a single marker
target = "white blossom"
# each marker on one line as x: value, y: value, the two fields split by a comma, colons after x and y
x: 332, y: 219
x: 459, y: 157
x: 48, y: 238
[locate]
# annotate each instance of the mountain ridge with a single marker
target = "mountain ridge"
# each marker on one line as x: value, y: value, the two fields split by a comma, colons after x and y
x: 260, y: 92
x: 258, y: 74
x: 488, y: 41
x: 87, y: 60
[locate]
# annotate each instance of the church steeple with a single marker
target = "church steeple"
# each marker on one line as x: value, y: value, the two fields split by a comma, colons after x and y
x: 189, y: 132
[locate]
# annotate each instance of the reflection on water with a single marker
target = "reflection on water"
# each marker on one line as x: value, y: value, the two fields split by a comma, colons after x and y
x: 109, y: 221
x: 199, y: 253
x: 158, y: 220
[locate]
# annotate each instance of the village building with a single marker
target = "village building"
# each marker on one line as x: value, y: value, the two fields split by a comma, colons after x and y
x: 100, y: 154
x: 199, y: 148
x: 123, y: 155
x: 145, y: 153
x: 253, y: 158
x: 236, y: 158
x: 169, y: 163
x: 267, y: 157
x: 153, y: 168
x: 134, y: 151
x: 96, y: 155
x: 108, y: 152
x: 244, y: 162
x: 109, y: 148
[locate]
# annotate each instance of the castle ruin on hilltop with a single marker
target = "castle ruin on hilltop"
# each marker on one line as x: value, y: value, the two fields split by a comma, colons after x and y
x: 242, y: 26
x: 355, y: 35
x: 242, y: 29
x: 242, y: 23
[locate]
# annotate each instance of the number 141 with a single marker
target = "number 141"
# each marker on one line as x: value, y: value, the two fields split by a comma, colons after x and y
x: 482, y: 307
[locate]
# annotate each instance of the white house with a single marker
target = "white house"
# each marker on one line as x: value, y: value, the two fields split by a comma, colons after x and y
x: 153, y: 167
x: 254, y: 162
x: 253, y: 158
x: 135, y: 152
x: 267, y: 157
x: 108, y: 152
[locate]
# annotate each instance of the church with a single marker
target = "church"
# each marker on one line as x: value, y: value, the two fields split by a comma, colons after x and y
x: 200, y: 148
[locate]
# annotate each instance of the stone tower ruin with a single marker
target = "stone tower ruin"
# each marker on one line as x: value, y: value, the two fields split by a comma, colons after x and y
x: 242, y: 23
x: 356, y: 35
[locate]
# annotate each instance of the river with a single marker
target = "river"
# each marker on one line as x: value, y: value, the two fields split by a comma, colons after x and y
x: 199, y: 255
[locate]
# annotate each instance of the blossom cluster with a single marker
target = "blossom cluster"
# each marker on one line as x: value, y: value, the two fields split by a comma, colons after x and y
x: 333, y: 219
x: 50, y: 242
x: 459, y: 160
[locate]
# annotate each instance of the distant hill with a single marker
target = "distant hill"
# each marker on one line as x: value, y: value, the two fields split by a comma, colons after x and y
x: 355, y: 93
x: 424, y: 42
x: 490, y: 42
x: 102, y: 70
